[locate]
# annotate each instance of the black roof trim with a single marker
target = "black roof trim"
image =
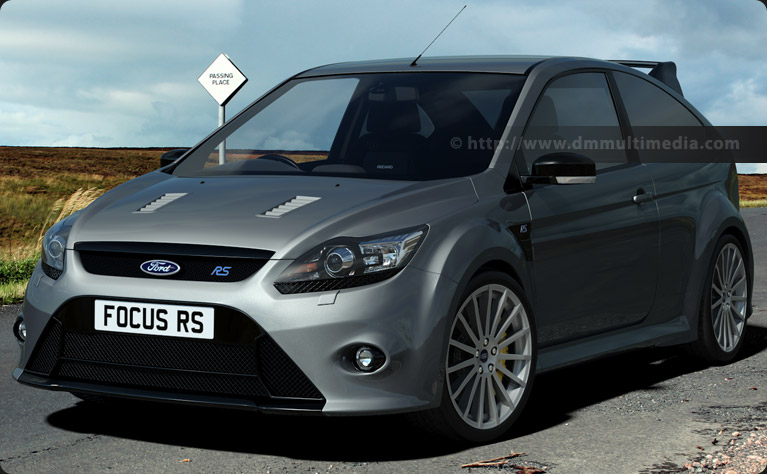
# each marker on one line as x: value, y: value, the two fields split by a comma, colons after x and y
x: 665, y: 72
x: 490, y: 64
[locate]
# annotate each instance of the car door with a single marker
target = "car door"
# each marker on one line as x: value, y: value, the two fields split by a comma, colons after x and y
x: 651, y: 112
x: 595, y: 246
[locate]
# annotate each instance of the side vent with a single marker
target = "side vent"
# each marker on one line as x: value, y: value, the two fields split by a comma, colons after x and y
x: 292, y: 205
x: 161, y: 201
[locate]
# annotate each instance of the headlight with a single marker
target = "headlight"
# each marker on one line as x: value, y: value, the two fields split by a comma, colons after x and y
x: 55, y: 246
x: 348, y: 262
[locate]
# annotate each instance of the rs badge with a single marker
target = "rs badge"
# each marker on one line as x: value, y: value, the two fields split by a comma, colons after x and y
x: 221, y: 271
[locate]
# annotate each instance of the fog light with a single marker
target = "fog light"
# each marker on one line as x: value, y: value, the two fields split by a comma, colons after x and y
x: 368, y: 359
x: 20, y: 330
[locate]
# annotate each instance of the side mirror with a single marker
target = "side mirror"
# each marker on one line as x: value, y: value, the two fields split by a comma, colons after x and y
x: 170, y: 156
x: 562, y: 168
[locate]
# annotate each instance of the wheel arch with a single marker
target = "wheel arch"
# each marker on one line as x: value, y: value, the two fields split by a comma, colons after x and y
x: 741, y: 234
x: 717, y: 217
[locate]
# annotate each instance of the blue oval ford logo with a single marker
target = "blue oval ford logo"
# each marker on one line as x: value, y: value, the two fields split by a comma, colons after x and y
x: 160, y: 267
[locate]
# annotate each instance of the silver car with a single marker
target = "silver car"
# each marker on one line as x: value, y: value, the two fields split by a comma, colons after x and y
x: 370, y: 238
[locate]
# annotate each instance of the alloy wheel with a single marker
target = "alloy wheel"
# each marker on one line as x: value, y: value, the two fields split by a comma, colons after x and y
x: 489, y: 359
x: 729, y: 297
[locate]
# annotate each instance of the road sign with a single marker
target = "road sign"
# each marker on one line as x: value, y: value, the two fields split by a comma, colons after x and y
x: 222, y: 79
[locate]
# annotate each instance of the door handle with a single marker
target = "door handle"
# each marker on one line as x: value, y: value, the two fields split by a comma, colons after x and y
x: 642, y: 197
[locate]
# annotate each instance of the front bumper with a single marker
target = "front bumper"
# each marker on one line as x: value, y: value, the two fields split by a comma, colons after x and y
x: 404, y: 316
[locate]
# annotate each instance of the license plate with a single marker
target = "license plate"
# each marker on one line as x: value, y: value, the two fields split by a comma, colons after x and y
x: 155, y: 319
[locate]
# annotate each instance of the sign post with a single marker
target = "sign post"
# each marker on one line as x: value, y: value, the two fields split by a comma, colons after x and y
x: 222, y: 80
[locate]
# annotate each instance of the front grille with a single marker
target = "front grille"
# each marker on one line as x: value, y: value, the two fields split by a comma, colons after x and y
x: 170, y: 353
x: 196, y: 262
x: 149, y: 378
x: 241, y: 361
x: 47, y: 350
x: 52, y: 272
x: 282, y: 375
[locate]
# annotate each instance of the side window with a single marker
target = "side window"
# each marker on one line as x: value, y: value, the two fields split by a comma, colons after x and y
x: 650, y: 106
x: 575, y: 114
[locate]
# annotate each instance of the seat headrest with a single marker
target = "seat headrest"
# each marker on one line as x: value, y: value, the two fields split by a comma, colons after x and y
x: 393, y: 111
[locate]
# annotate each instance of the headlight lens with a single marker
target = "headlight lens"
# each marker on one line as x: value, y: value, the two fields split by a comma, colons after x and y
x: 349, y: 262
x: 55, y: 245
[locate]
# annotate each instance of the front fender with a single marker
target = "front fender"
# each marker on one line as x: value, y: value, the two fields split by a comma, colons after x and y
x: 459, y: 256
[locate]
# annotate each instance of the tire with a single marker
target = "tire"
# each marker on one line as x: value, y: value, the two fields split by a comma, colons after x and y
x: 724, y: 304
x: 489, y: 362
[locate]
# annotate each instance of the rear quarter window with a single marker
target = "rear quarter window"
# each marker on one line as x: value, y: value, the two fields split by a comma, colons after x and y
x: 647, y: 105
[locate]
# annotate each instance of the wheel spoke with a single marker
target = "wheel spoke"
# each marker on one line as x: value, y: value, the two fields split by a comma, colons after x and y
x: 500, y: 388
x: 514, y: 337
x: 514, y: 357
x: 510, y: 375
x: 507, y: 323
x: 471, y: 375
x: 498, y: 314
x: 736, y: 272
x: 719, y: 269
x: 718, y: 324
x: 738, y: 298
x: 716, y: 305
x: 462, y: 346
x: 477, y: 318
x: 462, y: 365
x: 492, y: 406
x: 481, y: 410
x: 740, y: 315
x: 468, y: 330
x: 730, y: 265
x: 718, y: 273
x: 489, y: 310
x: 471, y: 396
x: 740, y: 282
x: 734, y: 318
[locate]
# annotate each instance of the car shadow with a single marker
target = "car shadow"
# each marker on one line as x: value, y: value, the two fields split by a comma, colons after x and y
x: 559, y: 393
x: 319, y: 438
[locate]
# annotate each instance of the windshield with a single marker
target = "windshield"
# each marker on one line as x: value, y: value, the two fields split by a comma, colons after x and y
x: 406, y: 126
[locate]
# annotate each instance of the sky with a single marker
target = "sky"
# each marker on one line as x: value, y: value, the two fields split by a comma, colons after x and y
x: 124, y: 74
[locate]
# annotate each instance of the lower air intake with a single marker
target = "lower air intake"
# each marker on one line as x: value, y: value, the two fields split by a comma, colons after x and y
x: 242, y: 361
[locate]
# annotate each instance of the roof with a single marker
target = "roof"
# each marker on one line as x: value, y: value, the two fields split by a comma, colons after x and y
x: 503, y: 64
x: 664, y: 72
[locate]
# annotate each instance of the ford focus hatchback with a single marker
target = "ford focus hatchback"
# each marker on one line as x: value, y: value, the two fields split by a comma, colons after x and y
x: 379, y: 237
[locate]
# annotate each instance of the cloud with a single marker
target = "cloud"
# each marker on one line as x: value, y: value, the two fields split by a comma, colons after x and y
x: 745, y: 103
x: 124, y: 73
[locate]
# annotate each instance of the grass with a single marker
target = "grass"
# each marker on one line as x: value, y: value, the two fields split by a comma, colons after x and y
x: 40, y: 186
x: 754, y: 203
x: 14, y: 274
x: 12, y: 292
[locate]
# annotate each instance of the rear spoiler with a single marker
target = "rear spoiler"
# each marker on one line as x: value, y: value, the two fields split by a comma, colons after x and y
x: 665, y: 72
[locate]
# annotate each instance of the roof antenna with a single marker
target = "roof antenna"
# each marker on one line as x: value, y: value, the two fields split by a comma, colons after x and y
x: 435, y: 38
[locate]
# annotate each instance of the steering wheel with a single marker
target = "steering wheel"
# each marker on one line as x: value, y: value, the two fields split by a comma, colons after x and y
x: 281, y: 159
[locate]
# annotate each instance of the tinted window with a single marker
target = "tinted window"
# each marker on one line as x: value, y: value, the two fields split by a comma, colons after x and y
x: 408, y: 126
x: 489, y: 103
x: 575, y: 114
x: 649, y: 106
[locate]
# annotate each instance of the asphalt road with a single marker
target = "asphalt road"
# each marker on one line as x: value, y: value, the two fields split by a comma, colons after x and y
x: 643, y: 412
